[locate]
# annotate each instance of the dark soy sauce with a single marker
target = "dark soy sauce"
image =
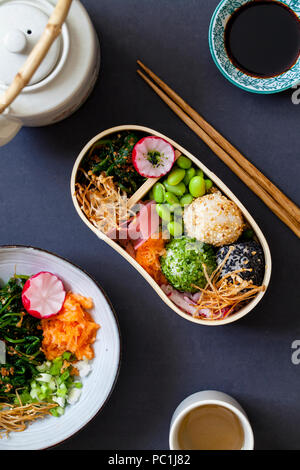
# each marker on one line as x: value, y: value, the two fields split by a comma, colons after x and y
x: 262, y: 38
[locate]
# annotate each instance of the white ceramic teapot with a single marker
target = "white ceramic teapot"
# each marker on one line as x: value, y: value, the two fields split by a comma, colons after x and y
x: 66, y: 75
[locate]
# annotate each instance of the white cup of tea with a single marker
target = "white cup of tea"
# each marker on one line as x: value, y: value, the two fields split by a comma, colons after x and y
x: 210, y: 420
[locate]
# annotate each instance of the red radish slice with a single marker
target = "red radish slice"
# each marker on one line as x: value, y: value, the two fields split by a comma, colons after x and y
x: 43, y: 295
x: 153, y: 157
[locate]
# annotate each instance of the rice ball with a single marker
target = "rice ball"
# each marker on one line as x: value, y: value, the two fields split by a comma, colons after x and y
x: 213, y: 219
x: 244, y: 255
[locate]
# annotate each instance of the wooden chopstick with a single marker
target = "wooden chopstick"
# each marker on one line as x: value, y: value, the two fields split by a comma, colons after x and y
x: 228, y: 147
x: 145, y: 188
x: 282, y: 206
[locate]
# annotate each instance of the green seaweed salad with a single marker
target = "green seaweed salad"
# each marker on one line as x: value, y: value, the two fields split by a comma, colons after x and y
x: 22, y: 336
x: 25, y: 374
x: 113, y: 156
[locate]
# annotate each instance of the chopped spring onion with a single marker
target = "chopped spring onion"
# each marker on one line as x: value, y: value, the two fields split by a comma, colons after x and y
x: 55, y: 384
x: 44, y: 378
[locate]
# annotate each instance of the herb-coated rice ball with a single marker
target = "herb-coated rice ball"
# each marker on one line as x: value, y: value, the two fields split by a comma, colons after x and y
x: 183, y: 263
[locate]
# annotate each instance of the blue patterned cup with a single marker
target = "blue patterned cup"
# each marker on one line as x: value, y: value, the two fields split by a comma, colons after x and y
x: 218, y: 51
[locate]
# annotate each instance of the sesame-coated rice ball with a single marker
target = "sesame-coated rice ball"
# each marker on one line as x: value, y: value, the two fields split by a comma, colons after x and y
x: 213, y: 219
x: 245, y: 256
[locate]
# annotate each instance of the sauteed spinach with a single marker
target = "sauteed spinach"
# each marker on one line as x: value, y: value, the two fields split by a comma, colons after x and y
x: 22, y: 336
x: 113, y: 156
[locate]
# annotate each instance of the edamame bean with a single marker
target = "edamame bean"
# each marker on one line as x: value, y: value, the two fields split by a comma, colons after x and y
x: 184, y: 162
x: 189, y: 174
x: 186, y: 199
x: 197, y: 186
x: 163, y: 211
x: 176, y: 176
x: 208, y: 185
x: 159, y: 193
x: 171, y: 198
x: 199, y: 172
x: 175, y: 229
x: 177, y: 211
x: 151, y: 196
x: 178, y: 190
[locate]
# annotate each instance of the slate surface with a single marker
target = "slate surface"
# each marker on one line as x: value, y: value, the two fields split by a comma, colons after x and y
x: 166, y: 358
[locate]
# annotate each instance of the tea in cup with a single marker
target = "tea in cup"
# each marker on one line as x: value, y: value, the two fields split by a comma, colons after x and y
x: 210, y: 420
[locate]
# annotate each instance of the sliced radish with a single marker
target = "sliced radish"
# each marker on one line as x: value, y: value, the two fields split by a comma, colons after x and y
x: 153, y: 157
x: 179, y: 299
x: 43, y: 295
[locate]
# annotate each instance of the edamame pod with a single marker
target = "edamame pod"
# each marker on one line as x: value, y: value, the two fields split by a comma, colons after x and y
x: 176, y: 176
x: 197, y: 186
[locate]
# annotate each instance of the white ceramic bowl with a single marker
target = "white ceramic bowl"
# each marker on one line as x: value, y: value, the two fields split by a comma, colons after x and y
x: 209, y: 397
x: 268, y: 262
x: 98, y: 385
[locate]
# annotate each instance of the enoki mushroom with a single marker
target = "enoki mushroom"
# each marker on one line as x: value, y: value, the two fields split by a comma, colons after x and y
x: 14, y: 418
x: 102, y: 203
x: 223, y: 295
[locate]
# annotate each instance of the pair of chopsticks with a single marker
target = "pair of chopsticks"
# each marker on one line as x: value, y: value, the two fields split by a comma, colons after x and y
x: 275, y: 199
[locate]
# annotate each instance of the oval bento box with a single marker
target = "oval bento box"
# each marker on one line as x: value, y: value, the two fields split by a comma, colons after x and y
x: 259, y: 235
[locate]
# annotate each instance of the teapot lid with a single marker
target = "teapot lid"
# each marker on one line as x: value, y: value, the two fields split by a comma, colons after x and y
x: 21, y: 25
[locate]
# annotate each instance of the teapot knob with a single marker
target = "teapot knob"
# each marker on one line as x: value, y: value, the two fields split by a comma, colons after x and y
x: 15, y: 41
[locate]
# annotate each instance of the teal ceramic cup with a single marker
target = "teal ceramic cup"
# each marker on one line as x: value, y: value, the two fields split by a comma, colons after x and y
x: 219, y: 54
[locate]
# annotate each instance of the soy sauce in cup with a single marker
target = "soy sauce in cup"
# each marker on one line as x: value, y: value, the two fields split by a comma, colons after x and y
x: 262, y: 38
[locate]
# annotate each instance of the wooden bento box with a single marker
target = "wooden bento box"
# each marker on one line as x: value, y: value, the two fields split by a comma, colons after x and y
x: 245, y: 309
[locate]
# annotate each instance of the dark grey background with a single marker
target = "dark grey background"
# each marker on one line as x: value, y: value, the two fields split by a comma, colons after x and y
x: 166, y: 358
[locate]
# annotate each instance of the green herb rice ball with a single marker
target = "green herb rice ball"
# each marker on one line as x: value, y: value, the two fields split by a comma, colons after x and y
x: 183, y: 262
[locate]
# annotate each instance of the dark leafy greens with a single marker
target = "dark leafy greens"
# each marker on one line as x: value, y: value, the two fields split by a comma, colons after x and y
x: 22, y: 335
x: 113, y: 156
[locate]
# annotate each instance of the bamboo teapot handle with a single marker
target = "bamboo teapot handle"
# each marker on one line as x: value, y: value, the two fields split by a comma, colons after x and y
x: 37, y: 54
